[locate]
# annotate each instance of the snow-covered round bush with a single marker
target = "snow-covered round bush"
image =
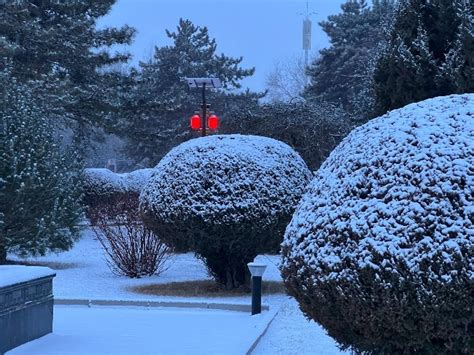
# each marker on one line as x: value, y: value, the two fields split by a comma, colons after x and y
x: 106, y: 189
x: 227, y: 198
x: 380, y: 250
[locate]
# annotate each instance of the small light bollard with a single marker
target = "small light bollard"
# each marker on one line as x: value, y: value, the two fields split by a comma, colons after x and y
x: 256, y: 270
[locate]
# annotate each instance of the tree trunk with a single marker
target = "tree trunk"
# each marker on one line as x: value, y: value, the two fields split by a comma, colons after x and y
x: 3, y: 255
x: 237, y: 276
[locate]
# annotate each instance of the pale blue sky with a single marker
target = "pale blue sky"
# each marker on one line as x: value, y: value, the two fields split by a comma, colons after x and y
x: 262, y: 31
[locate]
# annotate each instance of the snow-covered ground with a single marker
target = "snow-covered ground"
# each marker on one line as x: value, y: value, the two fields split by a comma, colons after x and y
x: 86, y: 276
x: 292, y: 334
x: 128, y: 330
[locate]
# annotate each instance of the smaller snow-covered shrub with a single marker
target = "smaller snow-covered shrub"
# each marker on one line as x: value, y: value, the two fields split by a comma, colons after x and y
x: 131, y: 249
x: 106, y: 190
x: 380, y: 250
x: 227, y: 198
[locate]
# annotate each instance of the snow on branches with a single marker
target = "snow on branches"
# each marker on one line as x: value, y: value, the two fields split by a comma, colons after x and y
x: 385, y: 233
x: 227, y: 198
x: 104, y: 188
x: 226, y: 179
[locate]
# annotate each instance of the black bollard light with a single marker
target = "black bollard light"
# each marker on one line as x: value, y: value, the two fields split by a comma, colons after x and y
x: 256, y: 270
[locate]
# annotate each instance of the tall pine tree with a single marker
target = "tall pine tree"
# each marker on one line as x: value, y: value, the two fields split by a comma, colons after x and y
x: 430, y: 53
x: 342, y: 74
x: 57, y: 43
x: 456, y: 74
x: 158, y: 102
x: 40, y: 198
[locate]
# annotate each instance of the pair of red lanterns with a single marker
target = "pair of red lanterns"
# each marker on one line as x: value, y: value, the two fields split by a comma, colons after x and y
x: 212, y: 122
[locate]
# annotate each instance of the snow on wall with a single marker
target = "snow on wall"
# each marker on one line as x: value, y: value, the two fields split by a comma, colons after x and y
x: 399, y: 189
x: 15, y: 274
x: 226, y: 178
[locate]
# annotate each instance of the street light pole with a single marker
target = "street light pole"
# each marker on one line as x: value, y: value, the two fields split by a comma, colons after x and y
x: 204, y: 109
x: 203, y: 83
x: 256, y: 295
x: 256, y: 270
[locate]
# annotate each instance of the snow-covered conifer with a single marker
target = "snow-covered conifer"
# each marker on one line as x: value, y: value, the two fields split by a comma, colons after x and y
x: 438, y: 35
x: 40, y: 197
x: 380, y: 249
x: 342, y: 73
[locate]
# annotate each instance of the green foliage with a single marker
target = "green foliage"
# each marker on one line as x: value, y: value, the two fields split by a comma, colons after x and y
x: 57, y: 43
x: 227, y: 198
x: 40, y: 198
x: 380, y: 249
x: 342, y: 74
x: 313, y: 130
x: 158, y: 103
x: 430, y: 53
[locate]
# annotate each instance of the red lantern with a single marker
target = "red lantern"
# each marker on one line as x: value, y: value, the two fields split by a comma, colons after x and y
x: 213, y: 122
x: 195, y: 122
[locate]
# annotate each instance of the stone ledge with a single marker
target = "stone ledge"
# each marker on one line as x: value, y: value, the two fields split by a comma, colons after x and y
x: 170, y: 304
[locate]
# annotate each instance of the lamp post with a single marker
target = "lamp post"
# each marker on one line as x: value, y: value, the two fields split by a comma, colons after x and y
x: 256, y: 270
x: 203, y: 83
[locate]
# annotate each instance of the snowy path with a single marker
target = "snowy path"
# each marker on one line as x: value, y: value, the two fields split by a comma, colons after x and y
x: 124, y: 330
x: 292, y: 334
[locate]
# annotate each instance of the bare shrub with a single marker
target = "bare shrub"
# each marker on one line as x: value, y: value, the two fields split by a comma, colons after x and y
x: 131, y: 249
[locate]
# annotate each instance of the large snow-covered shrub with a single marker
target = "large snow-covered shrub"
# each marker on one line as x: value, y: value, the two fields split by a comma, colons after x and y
x: 380, y: 251
x: 104, y: 189
x: 227, y: 198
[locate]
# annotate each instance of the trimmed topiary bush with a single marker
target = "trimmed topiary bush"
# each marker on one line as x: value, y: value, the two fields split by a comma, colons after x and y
x: 227, y: 198
x: 110, y: 192
x: 380, y: 251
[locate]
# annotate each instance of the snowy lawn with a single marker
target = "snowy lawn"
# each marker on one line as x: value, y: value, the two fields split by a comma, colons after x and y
x: 125, y: 330
x: 86, y: 275
x: 83, y: 274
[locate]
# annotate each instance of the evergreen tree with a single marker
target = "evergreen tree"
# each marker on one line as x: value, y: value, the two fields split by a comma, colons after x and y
x: 40, y: 202
x: 457, y: 72
x: 57, y: 43
x: 342, y: 73
x: 430, y: 53
x: 158, y: 102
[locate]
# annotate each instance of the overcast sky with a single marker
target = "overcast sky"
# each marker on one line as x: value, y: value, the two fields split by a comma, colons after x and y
x: 261, y: 31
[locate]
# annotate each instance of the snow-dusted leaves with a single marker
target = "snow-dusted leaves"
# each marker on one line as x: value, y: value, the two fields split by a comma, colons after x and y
x: 227, y: 179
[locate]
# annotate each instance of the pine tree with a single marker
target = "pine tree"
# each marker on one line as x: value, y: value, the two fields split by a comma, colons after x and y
x: 40, y: 201
x: 429, y: 54
x: 158, y: 102
x: 57, y: 43
x: 457, y: 72
x: 342, y: 73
